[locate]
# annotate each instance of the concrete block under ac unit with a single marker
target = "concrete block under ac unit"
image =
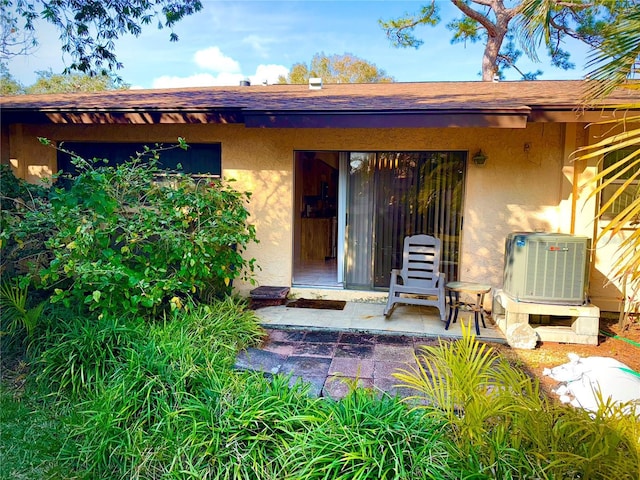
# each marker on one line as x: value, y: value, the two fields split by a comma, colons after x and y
x: 584, y: 329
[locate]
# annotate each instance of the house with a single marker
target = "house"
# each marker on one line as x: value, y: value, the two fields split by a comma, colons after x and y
x: 340, y: 173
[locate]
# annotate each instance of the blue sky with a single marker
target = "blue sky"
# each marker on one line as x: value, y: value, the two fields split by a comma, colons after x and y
x: 232, y: 40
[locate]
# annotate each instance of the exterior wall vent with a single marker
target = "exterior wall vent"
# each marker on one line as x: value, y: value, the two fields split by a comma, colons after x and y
x: 547, y: 268
x: 315, y: 83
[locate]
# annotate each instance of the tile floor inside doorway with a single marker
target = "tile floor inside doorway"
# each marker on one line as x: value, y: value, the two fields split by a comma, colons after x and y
x: 317, y: 273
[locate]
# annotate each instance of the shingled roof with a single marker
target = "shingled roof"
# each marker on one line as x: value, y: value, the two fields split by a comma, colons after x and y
x: 494, y: 104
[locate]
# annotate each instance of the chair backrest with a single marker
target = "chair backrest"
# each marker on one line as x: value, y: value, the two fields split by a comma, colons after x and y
x: 421, y: 260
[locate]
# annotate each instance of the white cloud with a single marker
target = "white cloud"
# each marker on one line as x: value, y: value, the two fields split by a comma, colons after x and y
x: 198, y: 80
x: 213, y: 59
x: 268, y: 73
x: 264, y: 73
x: 258, y: 44
x: 227, y: 72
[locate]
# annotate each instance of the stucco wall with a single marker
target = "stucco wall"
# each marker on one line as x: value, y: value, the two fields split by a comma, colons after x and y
x: 603, y: 292
x: 525, y: 184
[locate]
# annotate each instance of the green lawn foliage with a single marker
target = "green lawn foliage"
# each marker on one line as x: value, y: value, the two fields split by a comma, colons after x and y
x: 32, y: 432
x: 161, y: 400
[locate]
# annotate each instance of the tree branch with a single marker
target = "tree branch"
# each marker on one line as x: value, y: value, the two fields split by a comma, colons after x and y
x: 477, y: 16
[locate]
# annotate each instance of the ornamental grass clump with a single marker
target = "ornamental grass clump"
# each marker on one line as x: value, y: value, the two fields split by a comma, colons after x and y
x: 79, y: 354
x: 502, y: 426
x: 141, y: 415
x: 367, y: 436
x: 255, y: 428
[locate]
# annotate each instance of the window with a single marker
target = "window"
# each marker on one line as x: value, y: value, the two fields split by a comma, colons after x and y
x: 200, y: 159
x: 618, y: 177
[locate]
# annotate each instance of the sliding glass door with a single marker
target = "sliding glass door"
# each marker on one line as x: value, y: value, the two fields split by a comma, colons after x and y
x: 394, y: 194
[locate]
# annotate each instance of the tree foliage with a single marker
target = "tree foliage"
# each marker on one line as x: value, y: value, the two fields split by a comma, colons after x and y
x: 8, y: 84
x: 498, y: 24
x: 88, y: 29
x: 617, y: 57
x: 13, y: 39
x: 346, y: 68
x: 49, y: 82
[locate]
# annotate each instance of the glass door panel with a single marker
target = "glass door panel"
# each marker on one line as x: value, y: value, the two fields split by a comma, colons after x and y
x: 394, y: 194
x: 359, y: 225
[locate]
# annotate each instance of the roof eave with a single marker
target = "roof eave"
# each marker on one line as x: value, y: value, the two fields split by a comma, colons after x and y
x: 122, y: 116
x: 513, y: 118
x: 572, y: 114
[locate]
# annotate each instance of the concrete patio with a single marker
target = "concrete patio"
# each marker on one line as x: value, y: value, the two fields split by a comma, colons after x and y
x: 368, y: 318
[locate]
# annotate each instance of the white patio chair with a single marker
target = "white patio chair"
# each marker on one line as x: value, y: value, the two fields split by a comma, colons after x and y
x: 419, y: 281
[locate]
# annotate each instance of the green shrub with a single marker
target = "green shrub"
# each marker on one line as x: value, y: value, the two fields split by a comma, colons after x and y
x: 24, y: 225
x: 128, y: 239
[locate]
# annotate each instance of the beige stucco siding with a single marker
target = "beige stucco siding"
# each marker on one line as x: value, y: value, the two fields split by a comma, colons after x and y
x: 604, y: 293
x: 526, y: 184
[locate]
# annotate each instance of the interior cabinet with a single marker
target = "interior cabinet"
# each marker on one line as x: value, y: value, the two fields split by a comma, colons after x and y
x: 315, y: 238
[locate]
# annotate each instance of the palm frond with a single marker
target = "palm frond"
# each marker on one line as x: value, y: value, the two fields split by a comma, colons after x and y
x: 533, y: 26
x: 625, y: 174
x: 610, y: 144
x: 615, y: 61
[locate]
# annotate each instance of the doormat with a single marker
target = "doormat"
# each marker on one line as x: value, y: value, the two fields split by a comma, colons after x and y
x: 319, y: 304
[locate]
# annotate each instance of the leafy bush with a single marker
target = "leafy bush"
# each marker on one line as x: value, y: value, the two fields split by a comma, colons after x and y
x: 128, y: 239
x: 24, y: 225
x: 16, y: 192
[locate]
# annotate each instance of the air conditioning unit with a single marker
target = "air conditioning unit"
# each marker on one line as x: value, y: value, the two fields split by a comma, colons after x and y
x: 547, y: 268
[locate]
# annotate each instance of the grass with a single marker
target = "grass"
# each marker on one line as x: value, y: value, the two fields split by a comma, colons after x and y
x: 32, y: 432
x: 367, y: 437
x: 121, y: 400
